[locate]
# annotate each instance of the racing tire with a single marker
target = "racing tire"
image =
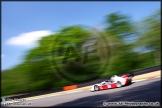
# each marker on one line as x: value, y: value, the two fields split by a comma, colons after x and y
x: 130, y: 82
x: 96, y: 88
x: 118, y: 84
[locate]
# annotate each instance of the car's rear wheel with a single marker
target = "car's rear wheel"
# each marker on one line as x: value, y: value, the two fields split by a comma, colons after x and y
x: 130, y: 81
x: 96, y: 88
x: 118, y: 84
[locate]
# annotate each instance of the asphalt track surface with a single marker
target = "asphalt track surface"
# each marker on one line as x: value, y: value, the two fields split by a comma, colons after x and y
x: 148, y: 91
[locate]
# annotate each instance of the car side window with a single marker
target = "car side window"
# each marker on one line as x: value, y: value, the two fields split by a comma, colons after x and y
x: 103, y: 83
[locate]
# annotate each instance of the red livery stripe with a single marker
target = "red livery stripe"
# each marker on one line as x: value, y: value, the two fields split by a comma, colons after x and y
x: 126, y: 81
x: 113, y: 85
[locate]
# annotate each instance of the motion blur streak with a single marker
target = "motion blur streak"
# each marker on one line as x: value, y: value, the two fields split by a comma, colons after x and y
x: 133, y: 46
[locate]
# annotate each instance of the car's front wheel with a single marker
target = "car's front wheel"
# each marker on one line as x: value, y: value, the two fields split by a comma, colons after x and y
x: 96, y: 88
x: 118, y: 84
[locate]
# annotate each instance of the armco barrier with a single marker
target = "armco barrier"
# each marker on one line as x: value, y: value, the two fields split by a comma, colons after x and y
x: 70, y: 87
x: 143, y: 71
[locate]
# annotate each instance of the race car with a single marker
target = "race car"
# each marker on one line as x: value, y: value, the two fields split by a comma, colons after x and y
x: 114, y: 82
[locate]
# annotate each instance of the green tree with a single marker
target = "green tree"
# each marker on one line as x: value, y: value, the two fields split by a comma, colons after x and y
x: 123, y: 58
x: 118, y: 24
x: 15, y: 80
x: 150, y: 37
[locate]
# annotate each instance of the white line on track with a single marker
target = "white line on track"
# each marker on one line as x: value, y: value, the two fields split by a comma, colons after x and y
x: 139, y: 80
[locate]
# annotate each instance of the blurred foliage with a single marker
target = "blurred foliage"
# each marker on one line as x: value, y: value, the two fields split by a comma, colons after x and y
x: 118, y: 24
x: 37, y: 72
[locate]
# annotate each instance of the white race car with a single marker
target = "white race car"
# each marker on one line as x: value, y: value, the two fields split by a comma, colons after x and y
x: 114, y: 82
